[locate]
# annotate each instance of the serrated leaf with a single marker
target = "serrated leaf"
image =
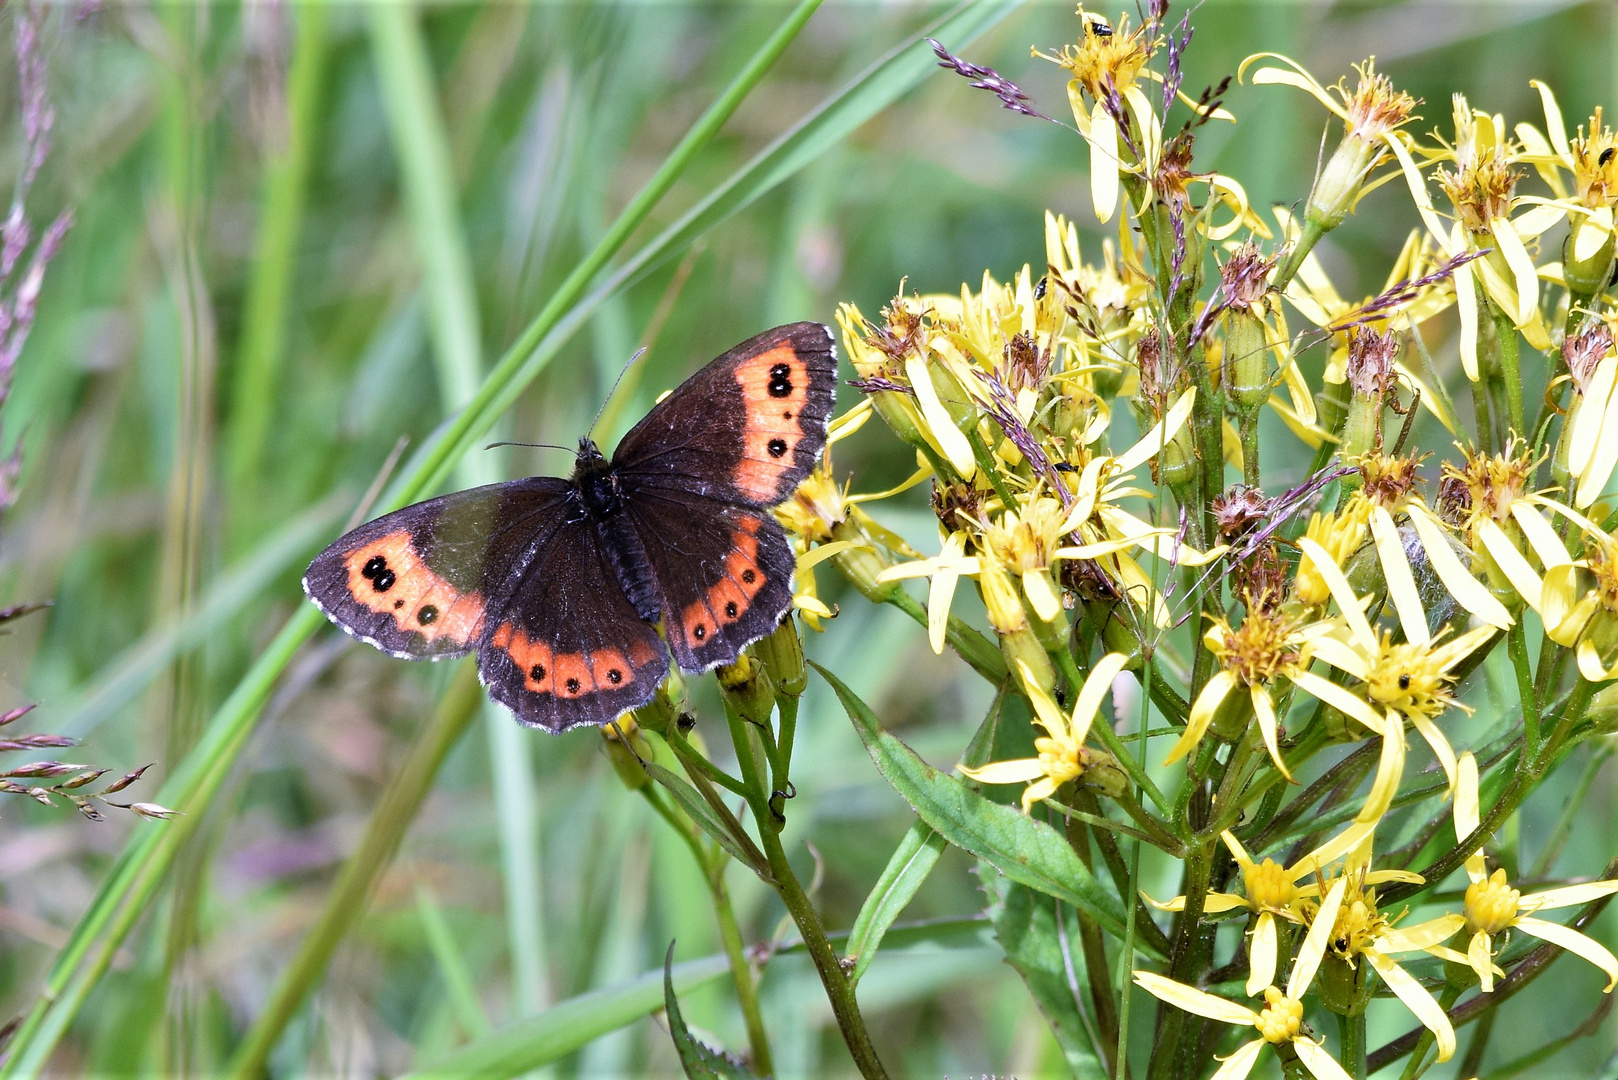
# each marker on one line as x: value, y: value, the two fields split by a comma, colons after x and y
x: 907, y: 868
x: 700, y: 1061
x: 697, y: 808
x: 1023, y: 849
x: 1026, y: 928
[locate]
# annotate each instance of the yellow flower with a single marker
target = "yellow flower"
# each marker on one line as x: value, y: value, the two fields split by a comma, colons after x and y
x: 1270, y: 646
x: 1593, y: 166
x: 1311, y: 291
x: 1062, y: 754
x: 1281, y: 1019
x: 1389, y: 490
x: 1481, y: 187
x: 1272, y: 892
x: 1372, y: 114
x: 1361, y: 931
x: 1493, y: 906
x: 1589, y: 445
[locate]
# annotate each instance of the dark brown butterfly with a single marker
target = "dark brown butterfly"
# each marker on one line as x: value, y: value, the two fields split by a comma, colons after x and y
x: 559, y: 585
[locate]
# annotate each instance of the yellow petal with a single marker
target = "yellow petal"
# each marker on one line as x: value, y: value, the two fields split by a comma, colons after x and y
x: 967, y: 566
x: 1104, y: 163
x: 1590, y: 663
x: 1044, y: 708
x: 1320, y: 1064
x: 1589, y: 410
x: 1267, y: 724
x: 951, y: 443
x: 1340, y: 698
x: 1471, y: 593
x: 1341, y: 591
x: 1297, y: 77
x: 941, y: 592
x: 1421, y: 937
x: 1018, y: 771
x: 1589, y: 237
x: 1159, y: 434
x: 822, y: 552
x: 1466, y: 306
x: 1481, y: 960
x: 1541, y: 537
x: 1390, y: 769
x: 1214, y: 692
x: 1402, y: 590
x: 1465, y: 810
x: 1096, y: 685
x: 1522, y: 270
x: 1423, y: 201
x: 1237, y: 851
x: 1517, y: 569
x: 1036, y: 585
x: 1332, y: 850
x: 1553, y: 118
x: 1238, y: 1065
x: 1440, y: 745
x: 1576, y: 943
x: 1313, y: 949
x: 1417, y: 1000
x: 1598, y: 470
x: 1569, y: 895
x: 1193, y: 1000
x: 1262, y: 954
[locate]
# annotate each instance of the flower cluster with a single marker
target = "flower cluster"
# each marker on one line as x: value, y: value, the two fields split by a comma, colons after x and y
x: 1090, y: 434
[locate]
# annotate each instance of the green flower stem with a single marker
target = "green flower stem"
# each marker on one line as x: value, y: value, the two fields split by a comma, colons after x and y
x: 1505, y: 332
x: 786, y: 706
x: 694, y: 761
x: 1312, y: 232
x: 969, y: 644
x: 1184, y: 960
x: 1097, y: 968
x: 990, y: 468
x: 713, y: 862
x: 839, y: 991
x: 741, y: 972
x: 1351, y: 1040
x: 1517, y: 647
x: 1107, y: 844
x: 347, y: 900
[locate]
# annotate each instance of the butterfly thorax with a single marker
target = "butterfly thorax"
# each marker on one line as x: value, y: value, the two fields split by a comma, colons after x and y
x: 626, y: 553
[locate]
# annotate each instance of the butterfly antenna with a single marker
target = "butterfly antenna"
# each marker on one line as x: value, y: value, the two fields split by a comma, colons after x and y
x: 621, y: 373
x: 534, y: 445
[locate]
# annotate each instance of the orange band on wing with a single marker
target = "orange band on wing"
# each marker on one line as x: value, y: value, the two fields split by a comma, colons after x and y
x: 388, y: 577
x: 568, y: 675
x: 775, y: 386
x: 728, y: 600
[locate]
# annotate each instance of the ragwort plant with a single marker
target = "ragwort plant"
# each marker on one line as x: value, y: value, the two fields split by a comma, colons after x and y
x: 1278, y: 643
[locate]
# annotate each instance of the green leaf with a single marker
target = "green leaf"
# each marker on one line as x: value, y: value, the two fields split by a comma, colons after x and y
x: 700, y: 1061
x: 1025, y: 926
x: 697, y: 808
x: 908, y: 867
x: 568, y: 1025
x: 1025, y: 850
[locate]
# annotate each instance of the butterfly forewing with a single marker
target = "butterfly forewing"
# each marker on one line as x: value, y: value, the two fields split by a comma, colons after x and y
x: 747, y: 428
x: 421, y: 582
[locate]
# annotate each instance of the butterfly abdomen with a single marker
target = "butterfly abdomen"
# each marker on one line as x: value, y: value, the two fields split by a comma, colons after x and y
x: 625, y: 552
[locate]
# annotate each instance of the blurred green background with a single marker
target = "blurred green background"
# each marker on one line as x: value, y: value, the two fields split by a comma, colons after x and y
x: 240, y: 329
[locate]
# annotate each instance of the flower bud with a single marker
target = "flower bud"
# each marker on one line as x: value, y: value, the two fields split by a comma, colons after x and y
x: 781, y: 653
x: 1103, y: 774
x: 745, y: 686
x: 1247, y: 376
x: 626, y: 759
x: 862, y: 563
x: 1590, y: 275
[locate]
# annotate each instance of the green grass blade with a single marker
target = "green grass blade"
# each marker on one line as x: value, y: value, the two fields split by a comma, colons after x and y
x: 350, y: 893
x: 568, y: 1025
x: 452, y: 967
x: 286, y: 178
x: 907, y: 868
x: 427, y: 177
x: 127, y: 891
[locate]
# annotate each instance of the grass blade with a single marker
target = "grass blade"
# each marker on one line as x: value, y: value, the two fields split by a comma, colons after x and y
x: 568, y: 1025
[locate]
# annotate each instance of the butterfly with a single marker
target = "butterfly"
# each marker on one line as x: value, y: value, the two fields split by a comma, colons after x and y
x: 559, y: 585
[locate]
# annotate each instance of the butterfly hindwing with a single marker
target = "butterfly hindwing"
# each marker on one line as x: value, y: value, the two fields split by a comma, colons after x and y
x: 747, y: 428
x: 724, y: 572
x: 568, y: 647
x: 419, y: 583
